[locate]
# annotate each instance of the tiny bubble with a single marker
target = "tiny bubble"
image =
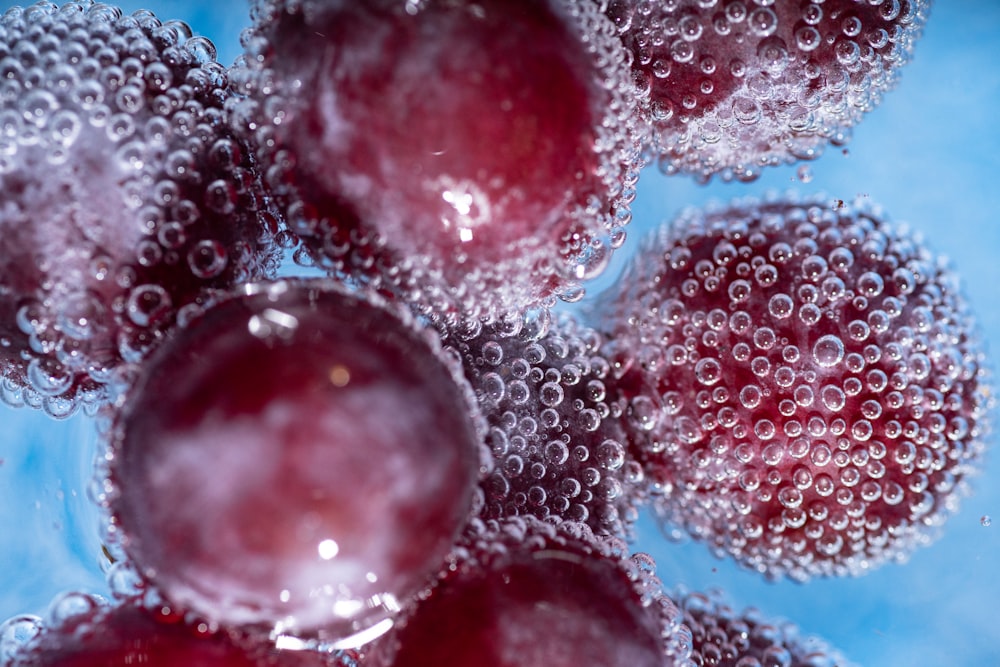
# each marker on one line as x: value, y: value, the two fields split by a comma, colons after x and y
x: 985, y: 520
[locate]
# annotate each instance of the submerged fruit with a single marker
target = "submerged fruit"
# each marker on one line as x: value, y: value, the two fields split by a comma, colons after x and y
x: 722, y: 637
x: 476, y: 157
x: 299, y: 458
x: 125, y: 194
x: 807, y: 385
x: 556, y: 431
x: 526, y: 594
x: 88, y: 633
x: 736, y: 86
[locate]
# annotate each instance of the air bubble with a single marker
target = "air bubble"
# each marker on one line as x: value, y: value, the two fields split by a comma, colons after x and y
x: 708, y: 371
x: 828, y: 351
x: 147, y: 304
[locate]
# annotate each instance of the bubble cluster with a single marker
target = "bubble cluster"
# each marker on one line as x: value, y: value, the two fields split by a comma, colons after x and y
x: 722, y: 637
x: 555, y: 430
x: 807, y: 386
x: 125, y: 194
x: 536, y: 594
x: 420, y: 147
x: 738, y: 85
x: 84, y: 631
x: 345, y: 451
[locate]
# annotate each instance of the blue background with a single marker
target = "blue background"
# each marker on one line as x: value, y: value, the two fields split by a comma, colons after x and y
x: 930, y: 154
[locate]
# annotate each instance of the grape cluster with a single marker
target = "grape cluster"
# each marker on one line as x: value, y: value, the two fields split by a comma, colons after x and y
x: 413, y: 460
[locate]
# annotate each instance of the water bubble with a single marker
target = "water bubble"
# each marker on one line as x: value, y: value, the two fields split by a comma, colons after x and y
x: 207, y: 259
x: 708, y: 371
x: 828, y: 351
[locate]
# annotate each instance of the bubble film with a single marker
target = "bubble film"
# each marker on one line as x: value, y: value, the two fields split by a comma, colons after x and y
x: 85, y: 631
x: 738, y: 85
x: 722, y: 637
x: 344, y: 450
x: 808, y: 379
x: 532, y: 594
x: 125, y: 195
x: 556, y: 432
x: 421, y: 148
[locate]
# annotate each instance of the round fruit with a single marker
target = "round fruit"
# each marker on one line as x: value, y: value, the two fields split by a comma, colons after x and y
x: 526, y: 594
x: 737, y: 85
x: 476, y: 157
x: 556, y: 433
x: 724, y: 638
x: 125, y: 194
x: 87, y: 633
x: 299, y: 457
x: 808, y: 379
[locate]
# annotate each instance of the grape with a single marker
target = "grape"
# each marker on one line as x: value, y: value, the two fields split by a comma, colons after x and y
x: 524, y: 594
x: 807, y: 386
x: 724, y: 638
x: 475, y: 157
x: 125, y: 195
x: 736, y: 86
x: 299, y: 457
x: 555, y: 431
x: 92, y: 634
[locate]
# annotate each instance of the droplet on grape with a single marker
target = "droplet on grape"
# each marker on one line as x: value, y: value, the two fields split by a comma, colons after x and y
x: 533, y: 595
x: 299, y: 457
x: 422, y: 146
x: 823, y: 437
x: 117, y: 209
x: 734, y: 87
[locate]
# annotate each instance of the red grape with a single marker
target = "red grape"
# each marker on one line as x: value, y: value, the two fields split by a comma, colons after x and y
x: 92, y: 634
x: 527, y: 594
x: 556, y: 433
x: 736, y: 86
x: 299, y: 457
x: 125, y: 194
x: 475, y: 157
x: 809, y: 381
x: 724, y: 638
